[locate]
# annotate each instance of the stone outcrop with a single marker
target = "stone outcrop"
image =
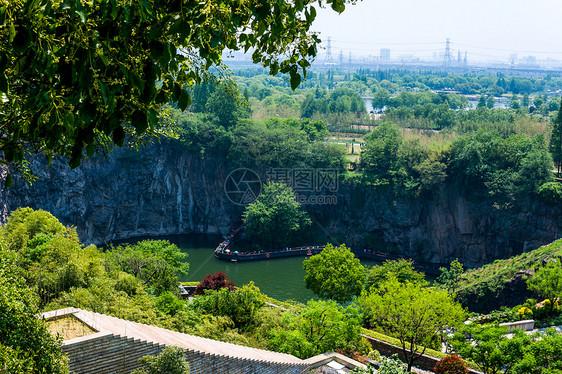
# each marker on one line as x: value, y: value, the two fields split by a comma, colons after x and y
x: 158, y: 191
x: 164, y: 190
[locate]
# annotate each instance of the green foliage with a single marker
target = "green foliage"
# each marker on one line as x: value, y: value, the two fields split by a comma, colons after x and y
x: 507, y: 166
x: 551, y: 192
x: 389, y: 365
x: 411, y: 313
x: 379, y: 157
x: 449, y: 278
x: 320, y: 326
x: 489, y: 280
x: 224, y: 106
x: 555, y: 145
x: 25, y: 344
x: 542, y: 356
x: 273, y: 220
x: 201, y: 134
x: 240, y: 305
x: 51, y: 254
x: 393, y: 365
x: 401, y: 270
x: 451, y: 364
x: 24, y: 225
x: 168, y: 303
x: 101, y: 72
x: 489, y: 347
x: 156, y: 263
x: 283, y: 144
x: 171, y: 360
x: 338, y: 101
x: 547, y: 282
x: 334, y: 274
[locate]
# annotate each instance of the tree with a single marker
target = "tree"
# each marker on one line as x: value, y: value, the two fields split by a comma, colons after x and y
x: 214, y: 282
x: 555, y: 145
x: 156, y: 262
x: 451, y: 364
x: 78, y: 76
x: 379, y: 156
x: 490, y: 102
x: 275, y: 217
x: 542, y: 356
x: 413, y: 314
x: 50, y: 254
x: 547, y: 282
x: 171, y: 360
x: 334, y: 274
x: 319, y: 327
x: 489, y: 347
x: 514, y: 102
x: 402, y: 270
x: 450, y: 277
x: 481, y: 102
x: 240, y: 305
x: 224, y: 106
x: 26, y: 346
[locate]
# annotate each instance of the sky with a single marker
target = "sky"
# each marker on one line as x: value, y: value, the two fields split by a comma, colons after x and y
x: 487, y: 29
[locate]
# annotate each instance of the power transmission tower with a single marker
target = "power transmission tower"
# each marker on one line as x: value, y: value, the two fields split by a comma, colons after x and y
x: 329, y: 60
x: 447, y: 58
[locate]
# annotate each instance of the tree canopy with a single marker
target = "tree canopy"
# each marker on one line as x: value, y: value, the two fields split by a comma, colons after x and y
x: 334, y: 274
x: 490, y: 348
x: 26, y: 346
x: 78, y: 75
x: 156, y: 262
x: 171, y: 360
x: 547, y: 282
x: 319, y: 327
x: 411, y: 313
x: 275, y: 217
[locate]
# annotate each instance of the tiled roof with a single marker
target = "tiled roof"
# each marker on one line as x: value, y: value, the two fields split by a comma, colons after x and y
x: 120, y: 327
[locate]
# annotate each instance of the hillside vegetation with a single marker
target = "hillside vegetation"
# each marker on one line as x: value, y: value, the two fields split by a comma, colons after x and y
x: 490, y: 285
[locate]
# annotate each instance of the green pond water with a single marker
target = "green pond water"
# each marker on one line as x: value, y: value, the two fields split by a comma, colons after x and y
x: 281, y: 279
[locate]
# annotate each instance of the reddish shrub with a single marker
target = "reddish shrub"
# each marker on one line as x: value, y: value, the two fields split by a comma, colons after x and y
x: 214, y: 282
x: 451, y: 364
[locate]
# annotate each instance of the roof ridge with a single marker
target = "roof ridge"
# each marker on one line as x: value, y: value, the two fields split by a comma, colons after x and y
x: 278, y: 357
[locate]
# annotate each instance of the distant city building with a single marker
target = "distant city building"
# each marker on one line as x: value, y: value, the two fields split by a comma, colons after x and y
x: 385, y: 55
x: 513, y: 59
x: 528, y: 62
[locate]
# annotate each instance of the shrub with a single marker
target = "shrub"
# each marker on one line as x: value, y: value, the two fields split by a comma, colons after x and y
x: 524, y: 313
x: 550, y: 191
x: 451, y: 364
x: 170, y: 361
x: 214, y: 282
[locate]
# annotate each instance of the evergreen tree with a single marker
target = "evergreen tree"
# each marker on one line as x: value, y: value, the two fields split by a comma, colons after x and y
x: 556, y: 140
x: 482, y: 102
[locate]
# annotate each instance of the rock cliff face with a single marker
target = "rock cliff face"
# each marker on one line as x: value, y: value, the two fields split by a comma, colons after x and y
x: 158, y: 191
x: 443, y: 226
x: 163, y: 190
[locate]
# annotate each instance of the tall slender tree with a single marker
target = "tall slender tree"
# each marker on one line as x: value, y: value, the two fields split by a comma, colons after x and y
x: 556, y: 140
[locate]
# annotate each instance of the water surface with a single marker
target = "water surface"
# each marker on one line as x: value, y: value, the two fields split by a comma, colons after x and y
x: 281, y: 279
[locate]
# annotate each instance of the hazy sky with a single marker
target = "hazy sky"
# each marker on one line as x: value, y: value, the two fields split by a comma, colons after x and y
x: 487, y: 29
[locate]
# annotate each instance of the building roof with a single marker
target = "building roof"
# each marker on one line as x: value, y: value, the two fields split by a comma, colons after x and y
x: 104, y: 324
